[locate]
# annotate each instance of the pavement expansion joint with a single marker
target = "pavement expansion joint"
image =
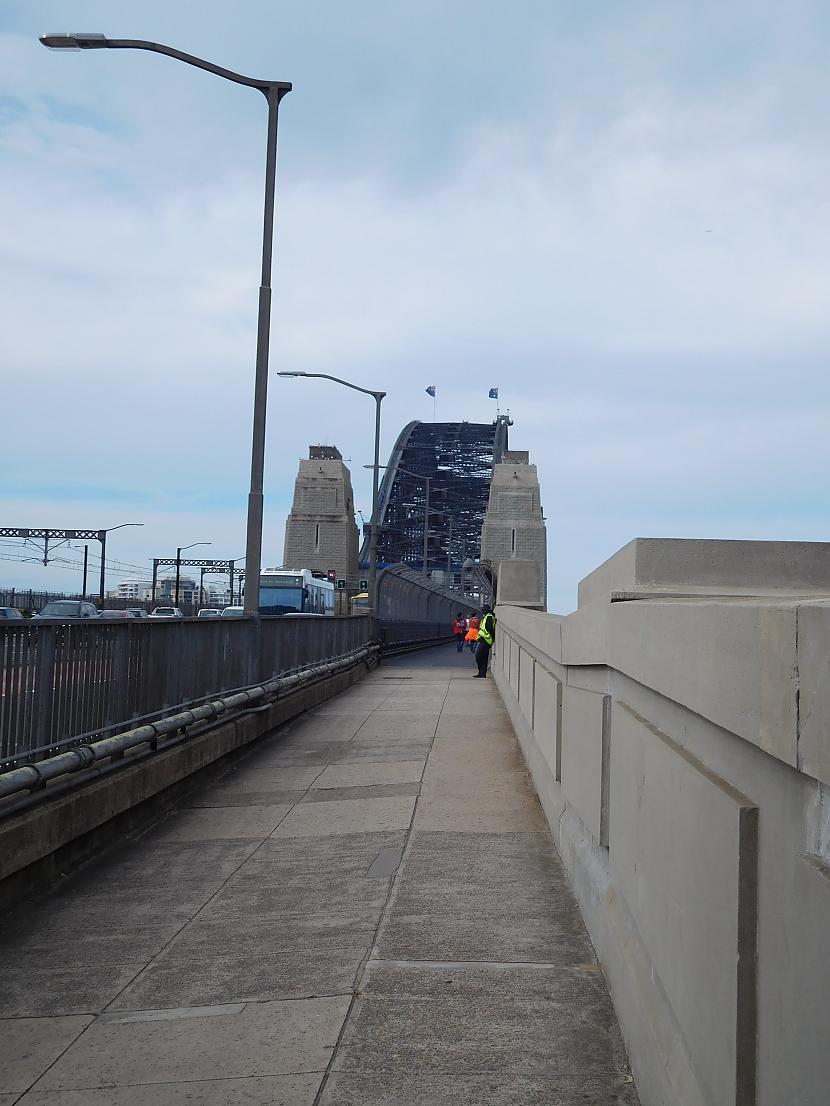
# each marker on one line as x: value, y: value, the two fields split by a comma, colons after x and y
x: 468, y: 965
x: 127, y: 1017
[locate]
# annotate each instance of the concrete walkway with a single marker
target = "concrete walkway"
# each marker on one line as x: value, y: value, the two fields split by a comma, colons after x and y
x: 366, y: 909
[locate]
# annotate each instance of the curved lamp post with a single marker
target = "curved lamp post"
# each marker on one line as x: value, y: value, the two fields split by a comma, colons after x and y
x: 102, y: 538
x: 179, y: 551
x: 273, y: 91
x: 373, y: 536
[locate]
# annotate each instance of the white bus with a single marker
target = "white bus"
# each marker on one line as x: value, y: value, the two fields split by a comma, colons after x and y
x: 295, y: 591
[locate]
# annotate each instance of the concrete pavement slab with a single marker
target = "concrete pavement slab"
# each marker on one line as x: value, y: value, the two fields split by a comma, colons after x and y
x: 251, y: 823
x: 275, y: 1090
x: 346, y: 816
x: 377, y: 751
x: 259, y: 971
x: 159, y: 864
x: 262, y: 776
x: 410, y: 723
x: 407, y: 1088
x: 490, y: 896
x: 350, y: 775
x: 478, y: 814
x: 310, y: 919
x: 263, y: 1039
x: 372, y: 791
x: 29, y: 1045
x: 34, y: 988
x: 295, y: 863
x: 548, y: 1022
x: 219, y: 796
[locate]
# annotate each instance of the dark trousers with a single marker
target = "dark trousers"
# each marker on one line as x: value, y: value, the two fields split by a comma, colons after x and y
x: 482, y: 656
x: 459, y: 642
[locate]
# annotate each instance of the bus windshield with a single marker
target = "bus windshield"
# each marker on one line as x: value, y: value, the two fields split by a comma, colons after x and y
x: 279, y: 600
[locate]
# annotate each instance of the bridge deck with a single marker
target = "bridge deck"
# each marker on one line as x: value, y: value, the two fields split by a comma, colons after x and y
x: 266, y: 943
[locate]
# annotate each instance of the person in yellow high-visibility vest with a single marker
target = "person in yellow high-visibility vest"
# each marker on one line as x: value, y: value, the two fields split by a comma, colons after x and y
x: 486, y: 635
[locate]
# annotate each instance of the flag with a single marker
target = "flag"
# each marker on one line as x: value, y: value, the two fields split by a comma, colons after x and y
x: 493, y: 393
x: 431, y: 391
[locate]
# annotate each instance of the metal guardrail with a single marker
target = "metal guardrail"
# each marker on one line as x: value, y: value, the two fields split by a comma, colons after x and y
x: 34, y: 777
x: 66, y: 684
x: 400, y: 636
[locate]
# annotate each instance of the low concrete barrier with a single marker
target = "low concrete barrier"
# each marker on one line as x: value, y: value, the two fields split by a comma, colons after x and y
x: 677, y: 727
x: 36, y: 844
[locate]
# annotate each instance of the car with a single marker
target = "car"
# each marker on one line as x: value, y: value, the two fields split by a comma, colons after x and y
x: 233, y: 612
x: 66, y: 609
x: 137, y: 612
x: 116, y: 614
x: 9, y: 614
x: 166, y: 612
x: 209, y: 612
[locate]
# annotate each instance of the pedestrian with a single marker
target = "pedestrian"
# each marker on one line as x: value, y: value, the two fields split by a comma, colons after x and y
x: 472, y: 633
x: 459, y: 628
x: 486, y: 635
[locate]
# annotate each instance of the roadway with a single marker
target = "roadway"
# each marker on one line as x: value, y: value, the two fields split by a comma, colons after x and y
x: 365, y: 908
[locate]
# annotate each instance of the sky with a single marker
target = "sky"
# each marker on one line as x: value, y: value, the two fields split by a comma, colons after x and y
x: 616, y: 213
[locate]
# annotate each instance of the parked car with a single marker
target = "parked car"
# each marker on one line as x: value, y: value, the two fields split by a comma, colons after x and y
x: 209, y: 612
x: 166, y: 612
x: 115, y: 614
x: 12, y: 613
x: 137, y: 612
x: 233, y: 612
x: 66, y: 609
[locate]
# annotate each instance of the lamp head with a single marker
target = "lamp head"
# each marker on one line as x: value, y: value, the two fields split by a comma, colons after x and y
x: 76, y: 41
x: 292, y: 374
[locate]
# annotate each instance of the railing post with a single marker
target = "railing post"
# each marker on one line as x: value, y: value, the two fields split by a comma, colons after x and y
x: 41, y: 732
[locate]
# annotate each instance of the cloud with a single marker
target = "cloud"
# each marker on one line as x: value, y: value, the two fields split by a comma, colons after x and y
x: 639, y: 263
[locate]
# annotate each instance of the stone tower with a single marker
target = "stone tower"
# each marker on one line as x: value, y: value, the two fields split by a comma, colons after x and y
x: 513, y: 538
x: 320, y: 531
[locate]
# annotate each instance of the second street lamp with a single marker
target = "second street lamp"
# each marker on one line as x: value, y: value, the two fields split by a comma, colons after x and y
x: 102, y: 538
x: 273, y: 91
x: 373, y: 535
x: 179, y: 564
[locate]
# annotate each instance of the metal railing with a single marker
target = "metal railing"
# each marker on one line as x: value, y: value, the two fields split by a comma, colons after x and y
x: 64, y: 684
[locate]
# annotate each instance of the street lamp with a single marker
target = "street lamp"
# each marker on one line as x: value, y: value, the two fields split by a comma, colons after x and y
x: 179, y: 564
x: 102, y: 538
x: 273, y: 91
x: 373, y: 536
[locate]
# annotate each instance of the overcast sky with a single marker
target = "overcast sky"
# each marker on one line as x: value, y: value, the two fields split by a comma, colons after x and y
x: 615, y: 212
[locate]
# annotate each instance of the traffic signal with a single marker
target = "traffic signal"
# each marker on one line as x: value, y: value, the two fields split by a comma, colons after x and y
x: 332, y: 574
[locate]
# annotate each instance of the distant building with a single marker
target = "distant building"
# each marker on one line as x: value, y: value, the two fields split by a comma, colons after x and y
x: 136, y: 589
x: 217, y: 595
x: 166, y: 590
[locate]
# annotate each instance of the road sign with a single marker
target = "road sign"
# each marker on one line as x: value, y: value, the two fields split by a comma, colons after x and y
x: 363, y: 585
x: 341, y: 585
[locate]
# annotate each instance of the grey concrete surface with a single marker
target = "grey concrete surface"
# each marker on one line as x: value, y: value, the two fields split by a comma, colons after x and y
x: 366, y: 908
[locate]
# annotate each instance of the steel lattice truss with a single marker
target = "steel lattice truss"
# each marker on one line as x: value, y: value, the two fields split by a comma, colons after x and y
x: 458, y: 457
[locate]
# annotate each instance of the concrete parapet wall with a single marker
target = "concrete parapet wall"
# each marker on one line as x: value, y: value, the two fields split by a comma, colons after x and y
x: 681, y: 750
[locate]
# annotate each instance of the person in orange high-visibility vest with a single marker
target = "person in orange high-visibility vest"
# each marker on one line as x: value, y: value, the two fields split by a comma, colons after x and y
x: 459, y: 628
x: 472, y: 633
